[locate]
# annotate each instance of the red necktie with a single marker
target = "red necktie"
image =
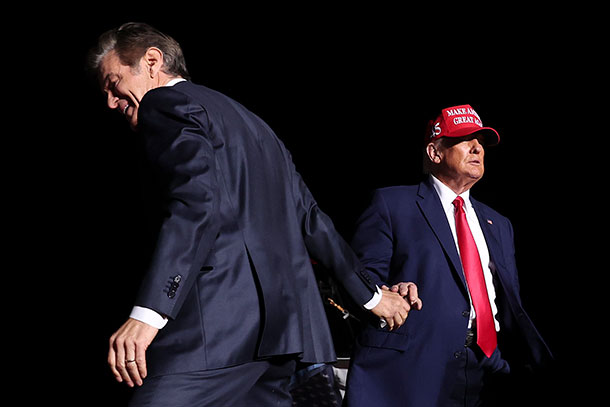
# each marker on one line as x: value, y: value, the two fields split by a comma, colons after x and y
x: 486, y: 330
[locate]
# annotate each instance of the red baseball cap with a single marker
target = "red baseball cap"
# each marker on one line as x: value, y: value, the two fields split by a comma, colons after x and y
x: 460, y: 121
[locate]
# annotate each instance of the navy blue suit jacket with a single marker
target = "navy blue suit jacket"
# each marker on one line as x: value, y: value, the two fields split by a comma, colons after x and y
x: 404, y: 236
x: 237, y: 228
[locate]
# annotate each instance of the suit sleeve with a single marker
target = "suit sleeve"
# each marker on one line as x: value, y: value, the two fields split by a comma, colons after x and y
x: 326, y: 245
x: 177, y: 147
x: 373, y: 242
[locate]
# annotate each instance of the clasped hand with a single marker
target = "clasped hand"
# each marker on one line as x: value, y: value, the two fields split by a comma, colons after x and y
x: 396, y: 303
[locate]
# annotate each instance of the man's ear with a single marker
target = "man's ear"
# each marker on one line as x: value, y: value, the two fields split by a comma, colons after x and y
x: 433, y: 152
x: 153, y: 58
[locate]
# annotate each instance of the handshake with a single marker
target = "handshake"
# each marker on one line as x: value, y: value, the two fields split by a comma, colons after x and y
x: 395, y: 304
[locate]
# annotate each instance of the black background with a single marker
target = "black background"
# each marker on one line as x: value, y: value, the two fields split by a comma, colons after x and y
x: 350, y: 93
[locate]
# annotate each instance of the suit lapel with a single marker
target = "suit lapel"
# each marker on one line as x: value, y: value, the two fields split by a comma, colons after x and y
x: 430, y: 205
x: 490, y: 232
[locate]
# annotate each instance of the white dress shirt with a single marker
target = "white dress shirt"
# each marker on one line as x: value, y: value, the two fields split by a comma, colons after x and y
x: 158, y: 321
x: 447, y: 197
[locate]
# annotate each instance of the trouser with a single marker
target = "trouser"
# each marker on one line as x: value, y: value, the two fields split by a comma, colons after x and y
x: 255, y: 384
x: 479, y: 378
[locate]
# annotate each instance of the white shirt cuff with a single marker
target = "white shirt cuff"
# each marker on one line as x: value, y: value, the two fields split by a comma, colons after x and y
x: 148, y: 316
x: 374, y: 301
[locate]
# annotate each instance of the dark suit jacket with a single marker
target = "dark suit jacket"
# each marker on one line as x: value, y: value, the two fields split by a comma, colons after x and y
x: 404, y: 236
x: 231, y: 267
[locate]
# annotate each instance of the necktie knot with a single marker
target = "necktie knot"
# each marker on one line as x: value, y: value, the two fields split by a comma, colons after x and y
x: 458, y: 202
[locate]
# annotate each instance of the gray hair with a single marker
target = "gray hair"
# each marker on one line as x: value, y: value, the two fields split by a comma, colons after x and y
x: 131, y: 40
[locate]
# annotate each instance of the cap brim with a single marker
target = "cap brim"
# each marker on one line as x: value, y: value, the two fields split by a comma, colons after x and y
x: 491, y: 136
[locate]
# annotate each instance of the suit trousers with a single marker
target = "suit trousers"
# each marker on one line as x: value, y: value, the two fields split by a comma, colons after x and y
x: 478, y: 379
x: 254, y: 384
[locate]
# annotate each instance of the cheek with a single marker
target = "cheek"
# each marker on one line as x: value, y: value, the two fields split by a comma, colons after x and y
x: 128, y: 89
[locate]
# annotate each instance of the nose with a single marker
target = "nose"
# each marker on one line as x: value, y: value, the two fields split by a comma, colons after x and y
x: 112, y: 101
x: 476, y: 145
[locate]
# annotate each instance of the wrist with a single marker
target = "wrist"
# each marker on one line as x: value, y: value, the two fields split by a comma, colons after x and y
x: 148, y: 316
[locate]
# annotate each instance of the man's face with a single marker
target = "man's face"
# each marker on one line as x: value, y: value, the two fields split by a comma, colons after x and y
x: 463, y: 158
x: 124, y: 86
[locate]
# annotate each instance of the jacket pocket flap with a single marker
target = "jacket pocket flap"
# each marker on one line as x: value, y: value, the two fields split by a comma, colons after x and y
x: 386, y: 340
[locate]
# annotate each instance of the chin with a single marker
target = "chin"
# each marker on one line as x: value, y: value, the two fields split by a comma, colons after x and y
x: 477, y: 173
x: 133, y: 125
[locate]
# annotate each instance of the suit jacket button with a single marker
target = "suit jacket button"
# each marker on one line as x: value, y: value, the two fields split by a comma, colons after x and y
x: 177, y: 279
x: 466, y: 313
x: 171, y: 293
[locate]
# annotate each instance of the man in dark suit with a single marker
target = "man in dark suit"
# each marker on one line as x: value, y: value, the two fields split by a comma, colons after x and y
x: 229, y: 302
x: 473, y: 330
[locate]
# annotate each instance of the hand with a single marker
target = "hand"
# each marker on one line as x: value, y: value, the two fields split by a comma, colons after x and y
x: 127, y: 354
x: 409, y: 292
x: 392, y: 308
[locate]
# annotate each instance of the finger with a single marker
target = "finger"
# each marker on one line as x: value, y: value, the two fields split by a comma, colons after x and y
x: 121, y: 363
x: 398, y: 320
x: 403, y: 289
x: 385, y: 287
x: 112, y: 361
x: 133, y: 371
x: 413, y: 295
x: 391, y: 323
x: 141, y: 361
x: 132, y: 367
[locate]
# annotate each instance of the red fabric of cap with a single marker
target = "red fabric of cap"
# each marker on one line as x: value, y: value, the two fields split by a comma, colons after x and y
x: 460, y: 121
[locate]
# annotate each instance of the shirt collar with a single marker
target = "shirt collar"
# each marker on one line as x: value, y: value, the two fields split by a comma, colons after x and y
x: 447, y: 195
x: 174, y: 81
